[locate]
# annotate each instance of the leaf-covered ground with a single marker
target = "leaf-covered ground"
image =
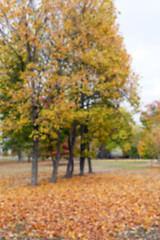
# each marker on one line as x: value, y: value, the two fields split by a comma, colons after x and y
x: 113, y: 205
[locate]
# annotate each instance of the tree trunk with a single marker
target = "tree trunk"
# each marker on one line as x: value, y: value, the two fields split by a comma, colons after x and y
x: 29, y: 158
x: 72, y: 168
x: 82, y: 148
x: 52, y: 157
x: 56, y: 162
x: 71, y: 143
x: 35, y: 148
x: 20, y: 157
x: 35, y: 161
x: 89, y: 165
x: 82, y: 164
x: 70, y: 160
x: 70, y: 165
x: 89, y: 161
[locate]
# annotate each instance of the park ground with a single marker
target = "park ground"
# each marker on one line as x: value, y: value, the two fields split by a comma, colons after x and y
x: 120, y: 201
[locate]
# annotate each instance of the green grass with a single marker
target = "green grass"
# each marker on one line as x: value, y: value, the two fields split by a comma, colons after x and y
x: 104, y: 165
x: 13, y: 168
x: 8, y: 159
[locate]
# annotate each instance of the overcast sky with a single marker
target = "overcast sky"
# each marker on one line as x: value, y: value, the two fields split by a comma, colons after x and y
x: 140, y: 26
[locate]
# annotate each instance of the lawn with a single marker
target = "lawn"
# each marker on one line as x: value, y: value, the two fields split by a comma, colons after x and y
x: 120, y: 201
x: 12, y: 168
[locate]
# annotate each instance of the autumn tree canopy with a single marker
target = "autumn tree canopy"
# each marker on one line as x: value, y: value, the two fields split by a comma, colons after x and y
x: 61, y: 63
x: 149, y: 146
x: 150, y: 118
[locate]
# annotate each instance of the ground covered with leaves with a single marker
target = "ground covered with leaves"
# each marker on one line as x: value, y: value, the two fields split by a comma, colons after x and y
x: 114, y: 205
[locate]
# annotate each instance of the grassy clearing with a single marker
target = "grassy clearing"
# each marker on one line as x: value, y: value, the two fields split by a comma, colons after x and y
x: 8, y: 159
x: 15, y: 170
x: 12, y: 167
x: 105, y: 165
x: 20, y: 173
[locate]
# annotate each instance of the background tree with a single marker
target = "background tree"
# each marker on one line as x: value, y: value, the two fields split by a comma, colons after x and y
x: 150, y: 118
x: 17, y: 142
x: 150, y: 143
x: 137, y: 133
x: 149, y: 147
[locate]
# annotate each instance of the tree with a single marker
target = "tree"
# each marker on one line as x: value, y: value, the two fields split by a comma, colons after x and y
x: 149, y: 146
x: 29, y: 48
x: 150, y: 118
x: 118, y: 131
x: 100, y: 65
x: 62, y: 56
x: 136, y: 137
x: 18, y: 142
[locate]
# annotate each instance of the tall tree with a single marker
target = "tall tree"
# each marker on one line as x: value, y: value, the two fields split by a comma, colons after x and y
x: 27, y: 40
x: 71, y: 57
x: 100, y: 65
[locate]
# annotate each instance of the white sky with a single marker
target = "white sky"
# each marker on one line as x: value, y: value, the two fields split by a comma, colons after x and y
x: 140, y: 26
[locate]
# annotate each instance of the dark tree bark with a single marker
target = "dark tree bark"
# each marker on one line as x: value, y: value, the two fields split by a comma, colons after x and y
x: 89, y: 162
x: 35, y: 147
x: 70, y: 165
x: 35, y: 161
x: 89, y: 165
x: 71, y: 143
x: 82, y: 164
x: 82, y: 149
x: 70, y: 160
x: 82, y: 145
x: 29, y: 158
x: 20, y: 159
x: 56, y: 162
